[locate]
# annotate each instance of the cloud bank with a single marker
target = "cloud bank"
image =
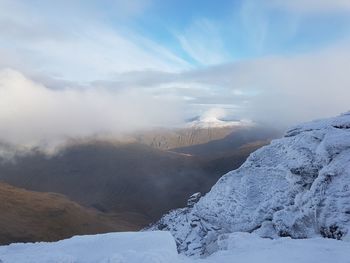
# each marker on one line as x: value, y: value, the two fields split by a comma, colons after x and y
x: 104, y: 69
x: 32, y: 113
x: 281, y: 90
x: 275, y: 90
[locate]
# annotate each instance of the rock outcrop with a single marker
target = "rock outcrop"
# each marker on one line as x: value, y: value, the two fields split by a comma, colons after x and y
x: 298, y: 186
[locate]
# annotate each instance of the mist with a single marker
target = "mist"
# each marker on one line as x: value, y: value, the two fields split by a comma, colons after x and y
x: 281, y: 90
x: 32, y: 113
x: 278, y: 91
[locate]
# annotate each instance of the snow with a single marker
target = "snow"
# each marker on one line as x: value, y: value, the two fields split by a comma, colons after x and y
x: 298, y: 186
x: 249, y: 248
x: 130, y: 247
x: 159, y: 247
x: 215, y: 118
x: 216, y: 123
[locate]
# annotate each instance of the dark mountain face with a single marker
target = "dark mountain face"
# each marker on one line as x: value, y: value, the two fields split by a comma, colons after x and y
x: 135, y: 180
x: 28, y: 216
x: 230, y: 143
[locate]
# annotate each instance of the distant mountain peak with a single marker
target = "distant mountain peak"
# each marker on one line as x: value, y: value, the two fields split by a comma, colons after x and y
x: 216, y: 118
x: 213, y: 122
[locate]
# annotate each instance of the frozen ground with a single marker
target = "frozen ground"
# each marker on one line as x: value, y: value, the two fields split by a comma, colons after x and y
x: 159, y: 247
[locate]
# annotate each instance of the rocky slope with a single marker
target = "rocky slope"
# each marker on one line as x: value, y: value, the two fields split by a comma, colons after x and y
x: 298, y: 186
x: 27, y: 216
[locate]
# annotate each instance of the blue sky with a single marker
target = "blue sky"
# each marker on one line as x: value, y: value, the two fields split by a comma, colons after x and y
x: 246, y: 29
x: 271, y: 61
x: 187, y: 34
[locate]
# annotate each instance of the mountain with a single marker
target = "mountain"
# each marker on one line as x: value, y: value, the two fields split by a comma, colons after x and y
x: 298, y: 186
x: 195, y: 132
x: 129, y: 178
x: 28, y: 216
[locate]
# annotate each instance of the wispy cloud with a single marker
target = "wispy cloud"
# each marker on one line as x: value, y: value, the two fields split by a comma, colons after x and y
x: 77, y: 49
x: 203, y: 42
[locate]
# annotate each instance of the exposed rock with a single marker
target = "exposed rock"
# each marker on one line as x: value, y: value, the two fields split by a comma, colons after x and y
x: 193, y: 199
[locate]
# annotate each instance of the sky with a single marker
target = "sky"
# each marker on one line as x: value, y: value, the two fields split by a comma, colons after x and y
x: 74, y: 67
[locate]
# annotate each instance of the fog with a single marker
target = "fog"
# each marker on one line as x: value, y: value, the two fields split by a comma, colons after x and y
x: 277, y: 90
x: 32, y: 113
x: 96, y: 73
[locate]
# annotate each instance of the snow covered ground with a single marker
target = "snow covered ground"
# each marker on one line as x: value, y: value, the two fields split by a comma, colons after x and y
x: 159, y: 247
x: 131, y: 247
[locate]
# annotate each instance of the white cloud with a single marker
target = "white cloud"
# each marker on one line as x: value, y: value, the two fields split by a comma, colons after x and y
x: 142, y: 80
x: 288, y: 89
x: 74, y: 43
x: 282, y: 90
x: 203, y: 42
x: 31, y: 113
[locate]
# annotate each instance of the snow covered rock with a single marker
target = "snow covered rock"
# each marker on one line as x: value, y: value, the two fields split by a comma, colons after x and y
x: 298, y: 186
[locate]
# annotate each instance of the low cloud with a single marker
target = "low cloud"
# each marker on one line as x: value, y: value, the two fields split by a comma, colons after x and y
x: 32, y: 113
x: 287, y: 90
x: 281, y: 90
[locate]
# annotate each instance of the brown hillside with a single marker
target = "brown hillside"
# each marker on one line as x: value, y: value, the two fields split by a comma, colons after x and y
x: 28, y: 216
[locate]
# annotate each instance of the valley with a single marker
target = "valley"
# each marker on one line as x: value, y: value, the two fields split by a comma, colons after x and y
x: 137, y: 181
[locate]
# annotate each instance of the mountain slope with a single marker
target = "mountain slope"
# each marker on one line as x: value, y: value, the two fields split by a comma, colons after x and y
x: 166, y: 139
x: 28, y: 216
x: 298, y: 186
x: 125, y: 178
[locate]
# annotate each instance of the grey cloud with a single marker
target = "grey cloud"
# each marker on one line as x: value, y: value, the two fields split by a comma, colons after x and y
x: 283, y: 89
x: 31, y: 113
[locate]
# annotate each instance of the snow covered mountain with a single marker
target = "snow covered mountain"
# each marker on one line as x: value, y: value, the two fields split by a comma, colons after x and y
x: 207, y: 122
x: 298, y: 186
x: 216, y: 118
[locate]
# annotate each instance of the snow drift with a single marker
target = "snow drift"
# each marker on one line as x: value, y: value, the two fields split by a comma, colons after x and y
x: 298, y: 186
x: 130, y: 247
x: 159, y: 247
